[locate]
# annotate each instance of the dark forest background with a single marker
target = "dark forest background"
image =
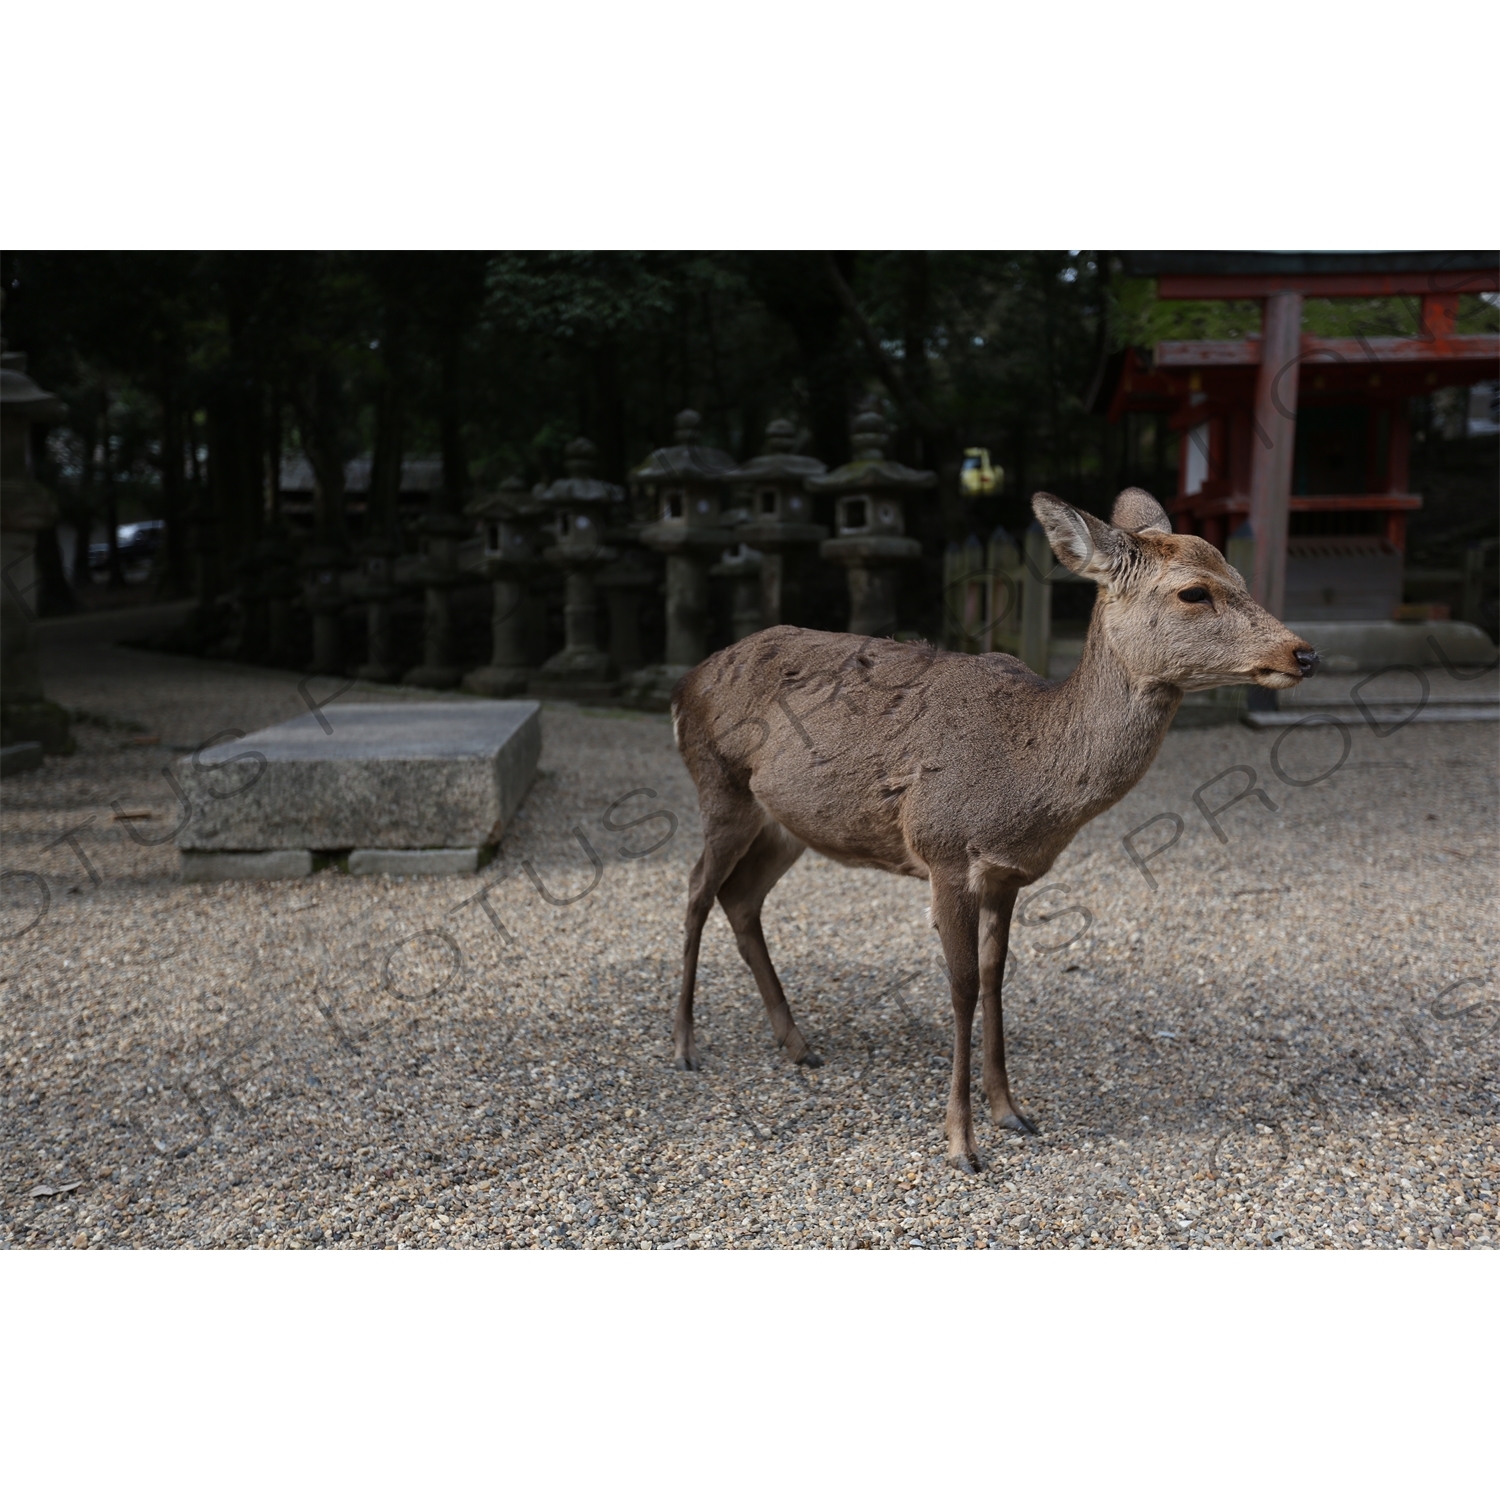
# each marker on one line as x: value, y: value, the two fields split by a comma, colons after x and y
x: 189, y: 377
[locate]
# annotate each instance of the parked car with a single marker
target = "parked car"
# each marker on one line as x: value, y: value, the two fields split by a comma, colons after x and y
x: 139, y: 541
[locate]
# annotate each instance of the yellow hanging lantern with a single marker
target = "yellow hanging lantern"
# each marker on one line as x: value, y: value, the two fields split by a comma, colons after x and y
x: 978, y: 476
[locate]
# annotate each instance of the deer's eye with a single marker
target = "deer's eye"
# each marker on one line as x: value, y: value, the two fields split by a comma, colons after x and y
x: 1193, y: 596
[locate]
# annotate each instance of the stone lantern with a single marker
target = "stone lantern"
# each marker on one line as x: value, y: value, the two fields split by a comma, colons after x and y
x: 321, y: 565
x: 685, y: 487
x: 869, y: 540
x: 625, y: 585
x: 580, y: 504
x: 780, y: 512
x: 743, y: 567
x: 279, y: 580
x: 440, y: 532
x: 508, y: 555
x: 26, y: 715
x: 376, y: 586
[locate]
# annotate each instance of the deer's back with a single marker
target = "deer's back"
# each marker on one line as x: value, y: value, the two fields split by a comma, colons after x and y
x: 871, y: 751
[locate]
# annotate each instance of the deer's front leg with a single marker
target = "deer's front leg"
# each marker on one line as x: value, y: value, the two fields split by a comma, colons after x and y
x: 994, y: 943
x: 955, y: 913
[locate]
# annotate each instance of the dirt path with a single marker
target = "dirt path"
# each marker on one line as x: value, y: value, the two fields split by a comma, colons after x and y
x: 1285, y: 1038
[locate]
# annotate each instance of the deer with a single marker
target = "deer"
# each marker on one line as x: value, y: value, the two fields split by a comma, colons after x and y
x: 971, y: 772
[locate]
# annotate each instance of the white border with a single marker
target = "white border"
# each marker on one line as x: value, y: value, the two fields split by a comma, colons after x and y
x: 1295, y: 123
x: 699, y: 1373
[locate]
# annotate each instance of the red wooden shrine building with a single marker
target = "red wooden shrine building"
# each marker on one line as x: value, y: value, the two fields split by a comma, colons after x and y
x: 1290, y: 425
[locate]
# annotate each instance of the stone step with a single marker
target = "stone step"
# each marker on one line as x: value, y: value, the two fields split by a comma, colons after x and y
x: 1343, y: 713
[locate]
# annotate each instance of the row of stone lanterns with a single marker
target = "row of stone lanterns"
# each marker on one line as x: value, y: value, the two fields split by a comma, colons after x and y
x: 684, y: 511
x: 705, y: 515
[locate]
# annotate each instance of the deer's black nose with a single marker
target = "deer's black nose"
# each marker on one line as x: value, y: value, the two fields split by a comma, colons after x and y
x: 1308, y: 661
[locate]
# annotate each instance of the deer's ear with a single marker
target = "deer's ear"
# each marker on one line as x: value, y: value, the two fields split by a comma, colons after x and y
x: 1135, y: 510
x: 1083, y: 543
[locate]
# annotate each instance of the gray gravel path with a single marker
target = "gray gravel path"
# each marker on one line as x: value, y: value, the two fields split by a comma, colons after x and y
x: 1290, y: 1041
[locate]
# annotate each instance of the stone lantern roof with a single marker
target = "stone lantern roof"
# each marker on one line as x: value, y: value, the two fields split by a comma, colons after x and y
x: 686, y: 460
x: 780, y: 513
x: 513, y: 501
x: 24, y: 504
x: 581, y: 487
x: 508, y: 520
x: 579, y: 502
x: 777, y: 461
x: 869, y: 469
x: 21, y: 396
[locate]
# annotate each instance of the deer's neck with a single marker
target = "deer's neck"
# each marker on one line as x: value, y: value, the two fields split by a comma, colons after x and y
x: 1107, y: 727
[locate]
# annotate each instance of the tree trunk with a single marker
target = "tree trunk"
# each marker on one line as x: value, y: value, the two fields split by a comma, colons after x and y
x: 250, y: 414
x: 792, y: 286
x: 172, y: 574
x: 455, y: 465
x: 390, y: 413
x: 111, y: 499
x: 944, y: 448
x: 317, y: 417
x: 607, y: 424
x: 273, y: 457
x: 54, y: 595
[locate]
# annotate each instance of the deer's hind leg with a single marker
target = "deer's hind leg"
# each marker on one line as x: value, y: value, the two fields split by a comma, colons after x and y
x: 731, y: 822
x: 772, y: 854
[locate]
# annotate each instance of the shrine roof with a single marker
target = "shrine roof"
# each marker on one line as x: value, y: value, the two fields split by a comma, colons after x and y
x: 1302, y: 262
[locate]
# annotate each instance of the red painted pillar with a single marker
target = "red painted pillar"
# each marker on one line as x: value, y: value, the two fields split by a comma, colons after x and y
x: 1439, y: 315
x: 1398, y: 470
x: 1271, y: 447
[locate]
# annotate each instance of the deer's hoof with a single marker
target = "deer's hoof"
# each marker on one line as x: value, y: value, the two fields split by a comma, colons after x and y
x: 966, y: 1162
x: 685, y: 1064
x: 809, y: 1060
x: 1019, y: 1123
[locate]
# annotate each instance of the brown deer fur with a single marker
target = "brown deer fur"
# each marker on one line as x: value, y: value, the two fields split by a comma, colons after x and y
x: 970, y: 772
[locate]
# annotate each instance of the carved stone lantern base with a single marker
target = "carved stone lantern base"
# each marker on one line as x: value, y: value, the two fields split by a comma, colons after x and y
x: 45, y: 722
x: 688, y: 559
x: 439, y: 678
x: 496, y: 682
x: 650, y: 689
x: 874, y: 566
x: 743, y: 566
x: 580, y: 669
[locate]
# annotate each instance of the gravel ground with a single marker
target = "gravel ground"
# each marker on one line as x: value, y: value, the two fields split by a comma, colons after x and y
x: 1290, y: 1041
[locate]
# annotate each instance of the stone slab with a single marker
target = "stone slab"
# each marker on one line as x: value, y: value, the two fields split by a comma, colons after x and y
x: 272, y: 864
x: 413, y: 775
x: 413, y: 861
x: 25, y: 756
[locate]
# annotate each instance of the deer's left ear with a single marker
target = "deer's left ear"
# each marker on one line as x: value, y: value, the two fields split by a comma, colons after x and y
x: 1135, y: 510
x: 1084, y: 544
